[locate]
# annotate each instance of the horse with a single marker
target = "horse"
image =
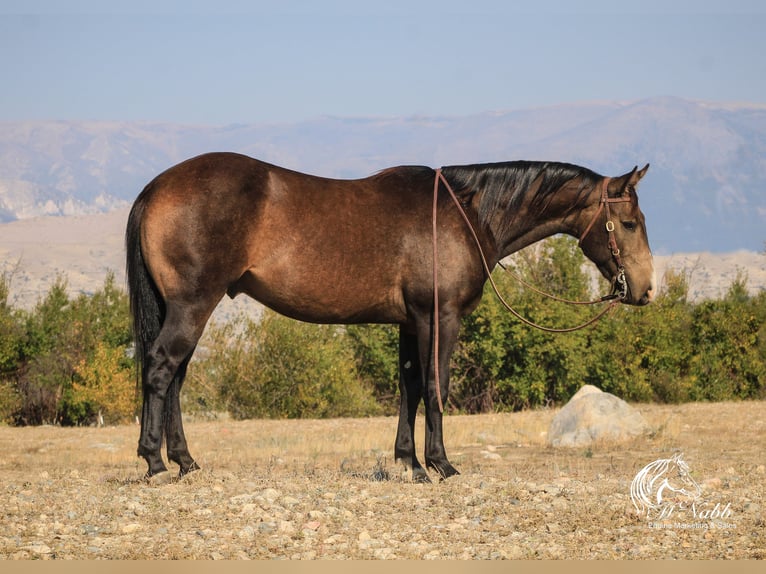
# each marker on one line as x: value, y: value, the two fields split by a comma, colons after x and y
x: 354, y: 251
x: 651, y: 487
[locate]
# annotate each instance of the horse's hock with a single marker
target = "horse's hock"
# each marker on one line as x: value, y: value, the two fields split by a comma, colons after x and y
x: 593, y: 416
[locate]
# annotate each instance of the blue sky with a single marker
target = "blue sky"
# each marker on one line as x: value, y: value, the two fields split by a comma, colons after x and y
x: 240, y: 62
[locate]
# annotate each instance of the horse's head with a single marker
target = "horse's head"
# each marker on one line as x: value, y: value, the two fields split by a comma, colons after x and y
x: 614, y: 238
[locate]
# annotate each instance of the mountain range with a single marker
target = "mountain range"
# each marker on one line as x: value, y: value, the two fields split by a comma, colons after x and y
x: 705, y: 190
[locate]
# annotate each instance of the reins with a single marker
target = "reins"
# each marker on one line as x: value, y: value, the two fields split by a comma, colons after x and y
x: 613, y: 299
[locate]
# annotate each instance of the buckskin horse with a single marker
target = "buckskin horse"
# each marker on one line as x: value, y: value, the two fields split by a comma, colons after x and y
x: 409, y: 245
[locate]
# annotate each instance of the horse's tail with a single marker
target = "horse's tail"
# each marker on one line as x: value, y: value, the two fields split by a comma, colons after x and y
x: 146, y: 305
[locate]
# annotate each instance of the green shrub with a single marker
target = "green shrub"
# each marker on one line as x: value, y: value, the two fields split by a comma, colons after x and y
x: 376, y: 352
x: 281, y: 368
x: 66, y: 360
x: 61, y: 335
x: 503, y: 364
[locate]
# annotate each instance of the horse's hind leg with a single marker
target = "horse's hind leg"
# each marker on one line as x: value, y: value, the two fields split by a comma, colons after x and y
x: 178, y: 451
x: 166, y: 359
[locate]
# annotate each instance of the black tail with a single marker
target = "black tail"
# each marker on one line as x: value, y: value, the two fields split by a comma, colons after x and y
x: 146, y: 305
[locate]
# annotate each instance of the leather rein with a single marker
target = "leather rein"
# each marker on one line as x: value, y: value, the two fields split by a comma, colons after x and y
x: 619, y: 293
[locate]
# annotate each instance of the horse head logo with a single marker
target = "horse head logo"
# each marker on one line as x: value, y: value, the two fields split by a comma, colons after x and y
x: 661, y: 483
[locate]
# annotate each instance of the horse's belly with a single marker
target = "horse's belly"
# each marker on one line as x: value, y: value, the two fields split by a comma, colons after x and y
x: 329, y: 297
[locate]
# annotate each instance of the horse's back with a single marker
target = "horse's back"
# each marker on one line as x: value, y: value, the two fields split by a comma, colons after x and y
x: 316, y: 248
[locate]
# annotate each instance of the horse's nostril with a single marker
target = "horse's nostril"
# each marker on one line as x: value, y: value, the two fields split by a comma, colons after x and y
x: 647, y: 298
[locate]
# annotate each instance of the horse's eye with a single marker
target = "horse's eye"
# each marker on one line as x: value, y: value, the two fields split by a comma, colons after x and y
x: 629, y: 225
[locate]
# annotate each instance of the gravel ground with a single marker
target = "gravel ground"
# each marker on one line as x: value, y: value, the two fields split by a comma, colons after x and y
x: 325, y: 489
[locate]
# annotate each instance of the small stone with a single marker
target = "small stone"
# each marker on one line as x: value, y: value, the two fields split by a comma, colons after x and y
x: 490, y: 455
x: 270, y: 494
x: 286, y: 526
x: 131, y: 528
x: 39, y: 548
x: 248, y: 532
x: 267, y: 527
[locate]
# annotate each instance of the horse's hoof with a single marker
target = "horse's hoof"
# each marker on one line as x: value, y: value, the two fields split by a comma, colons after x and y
x: 420, y: 476
x: 416, y: 474
x: 444, y: 469
x: 159, y: 478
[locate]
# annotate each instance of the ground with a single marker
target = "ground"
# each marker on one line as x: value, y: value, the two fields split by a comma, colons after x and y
x: 329, y: 489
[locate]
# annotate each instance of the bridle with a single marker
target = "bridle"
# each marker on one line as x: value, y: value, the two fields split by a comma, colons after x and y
x: 604, y: 203
x: 619, y: 291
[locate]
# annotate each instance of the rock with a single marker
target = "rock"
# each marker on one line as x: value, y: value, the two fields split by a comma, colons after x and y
x: 38, y: 548
x: 594, y: 416
x: 270, y: 494
x: 490, y: 455
x: 131, y: 528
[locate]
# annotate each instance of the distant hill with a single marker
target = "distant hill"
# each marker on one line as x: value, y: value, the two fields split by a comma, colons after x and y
x: 706, y: 189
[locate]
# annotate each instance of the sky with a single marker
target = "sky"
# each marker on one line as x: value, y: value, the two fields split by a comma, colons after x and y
x: 229, y: 62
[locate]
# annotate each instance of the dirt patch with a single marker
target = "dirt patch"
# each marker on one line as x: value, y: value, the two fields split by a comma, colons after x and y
x: 328, y: 489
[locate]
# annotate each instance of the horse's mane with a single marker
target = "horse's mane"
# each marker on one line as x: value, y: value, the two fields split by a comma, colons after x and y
x: 506, y: 185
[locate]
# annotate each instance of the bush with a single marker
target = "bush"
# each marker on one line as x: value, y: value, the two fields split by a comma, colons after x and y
x: 66, y: 361
x: 281, y: 368
x: 376, y: 352
x: 502, y: 364
x: 12, y: 336
x: 62, y: 336
x: 729, y: 339
x: 103, y: 387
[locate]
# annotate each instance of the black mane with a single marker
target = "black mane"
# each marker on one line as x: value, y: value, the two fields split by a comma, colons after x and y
x: 505, y: 186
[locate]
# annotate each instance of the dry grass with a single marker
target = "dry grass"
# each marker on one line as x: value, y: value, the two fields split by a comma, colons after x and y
x: 302, y: 489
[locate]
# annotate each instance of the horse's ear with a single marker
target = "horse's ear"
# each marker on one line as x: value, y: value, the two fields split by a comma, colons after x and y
x: 632, y: 179
x: 638, y: 175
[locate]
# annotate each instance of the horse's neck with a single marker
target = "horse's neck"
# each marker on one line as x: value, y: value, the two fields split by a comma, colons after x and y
x: 525, y: 234
x: 534, y: 224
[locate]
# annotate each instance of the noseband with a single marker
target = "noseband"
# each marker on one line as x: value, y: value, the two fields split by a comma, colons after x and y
x: 619, y: 282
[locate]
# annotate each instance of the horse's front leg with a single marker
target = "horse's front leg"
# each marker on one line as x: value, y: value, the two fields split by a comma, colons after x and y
x: 411, y: 392
x: 436, y: 455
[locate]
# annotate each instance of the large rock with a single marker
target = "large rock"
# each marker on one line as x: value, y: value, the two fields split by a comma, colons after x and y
x: 593, y: 416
